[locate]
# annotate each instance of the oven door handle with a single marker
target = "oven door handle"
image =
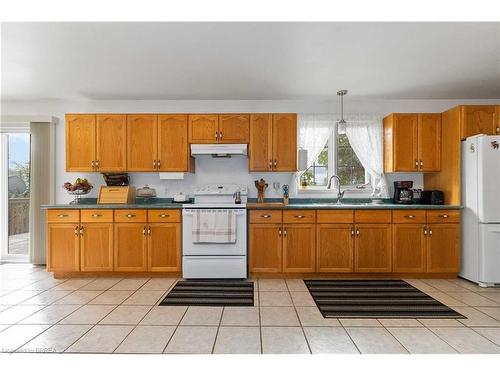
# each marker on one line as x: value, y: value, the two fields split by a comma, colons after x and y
x: 191, y: 212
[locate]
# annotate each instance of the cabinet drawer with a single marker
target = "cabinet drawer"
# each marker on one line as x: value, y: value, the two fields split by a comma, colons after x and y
x: 372, y: 216
x: 63, y: 216
x: 164, y: 216
x: 443, y: 216
x: 265, y: 216
x: 408, y: 216
x: 334, y: 216
x: 130, y: 216
x: 299, y: 216
x: 97, y: 216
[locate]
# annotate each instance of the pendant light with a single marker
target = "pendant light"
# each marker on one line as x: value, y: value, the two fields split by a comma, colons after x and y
x: 341, y: 123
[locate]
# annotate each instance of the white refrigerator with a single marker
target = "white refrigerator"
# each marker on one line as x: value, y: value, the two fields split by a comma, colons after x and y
x: 481, y: 214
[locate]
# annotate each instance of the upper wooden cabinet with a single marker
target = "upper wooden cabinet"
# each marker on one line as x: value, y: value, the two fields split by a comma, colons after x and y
x: 234, y: 128
x: 213, y: 128
x: 273, y: 143
x: 142, y: 132
x: 80, y: 142
x: 111, y: 143
x: 478, y: 119
x: 173, y: 147
x: 412, y: 142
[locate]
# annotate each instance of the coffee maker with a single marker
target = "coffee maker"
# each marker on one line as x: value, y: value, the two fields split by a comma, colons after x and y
x: 403, y: 193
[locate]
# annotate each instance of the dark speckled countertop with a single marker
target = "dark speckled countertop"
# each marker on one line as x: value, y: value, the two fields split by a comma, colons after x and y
x: 272, y: 203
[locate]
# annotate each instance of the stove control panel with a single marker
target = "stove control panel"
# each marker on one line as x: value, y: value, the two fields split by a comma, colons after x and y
x: 222, y: 189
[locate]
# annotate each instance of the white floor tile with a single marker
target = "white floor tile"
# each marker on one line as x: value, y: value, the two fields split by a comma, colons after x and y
x: 240, y: 316
x: 476, y: 318
x: 465, y: 340
x: 17, y: 335
x: 296, y: 285
x: 472, y: 299
x: 78, y: 297
x: 360, y: 322
x: 375, y: 341
x: 279, y: 316
x: 202, y: 316
x: 312, y: 317
x: 100, y: 339
x: 88, y: 314
x: 272, y: 285
x: 17, y: 296
x: 420, y: 341
x: 146, y: 339
x: 144, y: 297
x: 101, y: 284
x: 492, y: 334
x: 50, y: 314
x: 18, y: 313
x: 111, y: 297
x: 124, y: 315
x: 275, y: 299
x: 47, y: 297
x: 161, y: 284
x: 302, y: 299
x: 238, y: 340
x: 329, y: 340
x: 192, y: 340
x: 56, y: 339
x: 400, y: 322
x: 284, y: 340
x: 129, y: 284
x: 164, y: 315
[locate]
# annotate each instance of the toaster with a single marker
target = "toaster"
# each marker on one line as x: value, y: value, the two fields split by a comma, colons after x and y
x: 432, y: 197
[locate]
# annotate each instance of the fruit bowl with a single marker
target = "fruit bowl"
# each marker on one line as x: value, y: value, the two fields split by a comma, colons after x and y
x: 79, y: 188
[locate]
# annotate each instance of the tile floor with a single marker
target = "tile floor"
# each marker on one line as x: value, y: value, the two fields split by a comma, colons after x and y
x: 111, y: 315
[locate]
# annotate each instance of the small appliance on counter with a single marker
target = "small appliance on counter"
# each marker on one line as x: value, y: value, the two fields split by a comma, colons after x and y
x: 145, y: 192
x: 403, y: 193
x: 181, y: 198
x: 417, y: 196
x: 432, y: 197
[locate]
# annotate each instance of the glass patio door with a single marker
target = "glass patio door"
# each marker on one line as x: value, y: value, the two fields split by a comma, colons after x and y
x: 15, y: 198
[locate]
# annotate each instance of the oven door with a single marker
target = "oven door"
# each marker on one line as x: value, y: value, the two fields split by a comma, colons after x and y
x: 239, y: 247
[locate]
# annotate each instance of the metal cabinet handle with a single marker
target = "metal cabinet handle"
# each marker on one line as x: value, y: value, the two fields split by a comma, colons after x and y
x: 275, y: 163
x: 352, y: 231
x: 130, y: 216
x: 81, y: 231
x: 284, y: 232
x: 416, y: 163
x: 144, y: 231
x: 164, y: 215
x: 444, y: 216
x: 62, y: 215
x: 425, y: 231
x: 357, y: 232
x: 265, y: 216
x: 421, y: 164
x: 96, y: 215
x: 158, y: 164
x: 299, y: 216
x: 220, y: 136
x: 216, y: 135
x: 279, y: 232
x: 270, y: 164
x: 97, y: 164
x: 92, y: 163
x: 154, y: 164
x: 76, y: 230
x: 410, y: 216
x: 430, y: 231
x: 149, y: 231
x: 498, y: 129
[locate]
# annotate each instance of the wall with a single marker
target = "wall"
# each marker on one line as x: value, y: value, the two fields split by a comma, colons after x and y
x: 209, y: 170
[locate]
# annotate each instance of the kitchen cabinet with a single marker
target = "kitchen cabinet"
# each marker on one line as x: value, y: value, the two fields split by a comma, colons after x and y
x: 273, y: 143
x: 63, y: 247
x: 164, y: 247
x: 142, y: 143
x: 372, y: 248
x: 412, y: 142
x: 111, y: 143
x: 96, y: 246
x: 130, y: 247
x: 478, y: 119
x: 409, y: 247
x: 80, y: 142
x: 174, y: 154
x: 234, y: 128
x: 204, y: 128
x: 335, y: 247
x: 265, y: 252
x: 443, y: 248
x: 299, y: 248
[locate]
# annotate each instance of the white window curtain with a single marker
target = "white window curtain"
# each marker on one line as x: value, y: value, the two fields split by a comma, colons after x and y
x: 365, y: 134
x: 314, y: 131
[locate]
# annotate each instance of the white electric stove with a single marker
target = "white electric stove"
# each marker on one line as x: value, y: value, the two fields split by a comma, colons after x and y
x: 215, y: 260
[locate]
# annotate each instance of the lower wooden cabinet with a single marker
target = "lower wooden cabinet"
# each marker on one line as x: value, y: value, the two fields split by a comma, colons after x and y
x: 265, y: 252
x: 372, y: 248
x: 443, y: 248
x: 130, y: 247
x: 164, y: 247
x: 299, y: 248
x: 334, y: 247
x: 63, y: 242
x: 409, y: 247
x: 96, y: 247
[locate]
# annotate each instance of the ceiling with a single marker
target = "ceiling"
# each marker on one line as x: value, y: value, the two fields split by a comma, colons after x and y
x: 261, y: 61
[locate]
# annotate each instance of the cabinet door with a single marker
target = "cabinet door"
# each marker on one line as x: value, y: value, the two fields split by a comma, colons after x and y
x: 372, y: 248
x: 111, y: 134
x: 234, y: 128
x: 497, y: 128
x: 80, y: 143
x: 334, y: 247
x: 260, y: 153
x: 405, y: 142
x: 203, y: 128
x: 299, y: 248
x: 63, y: 249
x: 164, y: 247
x: 285, y: 142
x: 96, y: 247
x: 408, y: 244
x: 265, y: 248
x: 173, y: 147
x: 141, y: 143
x: 478, y: 119
x: 443, y: 248
x: 429, y: 142
x: 130, y: 247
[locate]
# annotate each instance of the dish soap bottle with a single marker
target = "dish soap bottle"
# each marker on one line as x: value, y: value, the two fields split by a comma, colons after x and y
x: 286, y: 189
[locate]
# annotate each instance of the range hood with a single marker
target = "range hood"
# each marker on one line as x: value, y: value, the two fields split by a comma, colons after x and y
x: 219, y: 150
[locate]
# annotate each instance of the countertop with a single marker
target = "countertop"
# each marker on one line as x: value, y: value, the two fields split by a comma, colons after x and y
x: 272, y: 203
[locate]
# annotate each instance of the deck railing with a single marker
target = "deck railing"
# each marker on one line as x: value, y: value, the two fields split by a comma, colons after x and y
x: 18, y: 215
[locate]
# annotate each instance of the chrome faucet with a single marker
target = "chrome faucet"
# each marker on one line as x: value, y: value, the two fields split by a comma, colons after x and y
x: 340, y: 194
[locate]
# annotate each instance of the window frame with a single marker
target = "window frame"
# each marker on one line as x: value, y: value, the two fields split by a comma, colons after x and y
x: 332, y: 169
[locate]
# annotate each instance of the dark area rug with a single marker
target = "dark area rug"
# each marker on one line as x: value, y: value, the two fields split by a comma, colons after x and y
x: 375, y: 299
x: 210, y: 293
